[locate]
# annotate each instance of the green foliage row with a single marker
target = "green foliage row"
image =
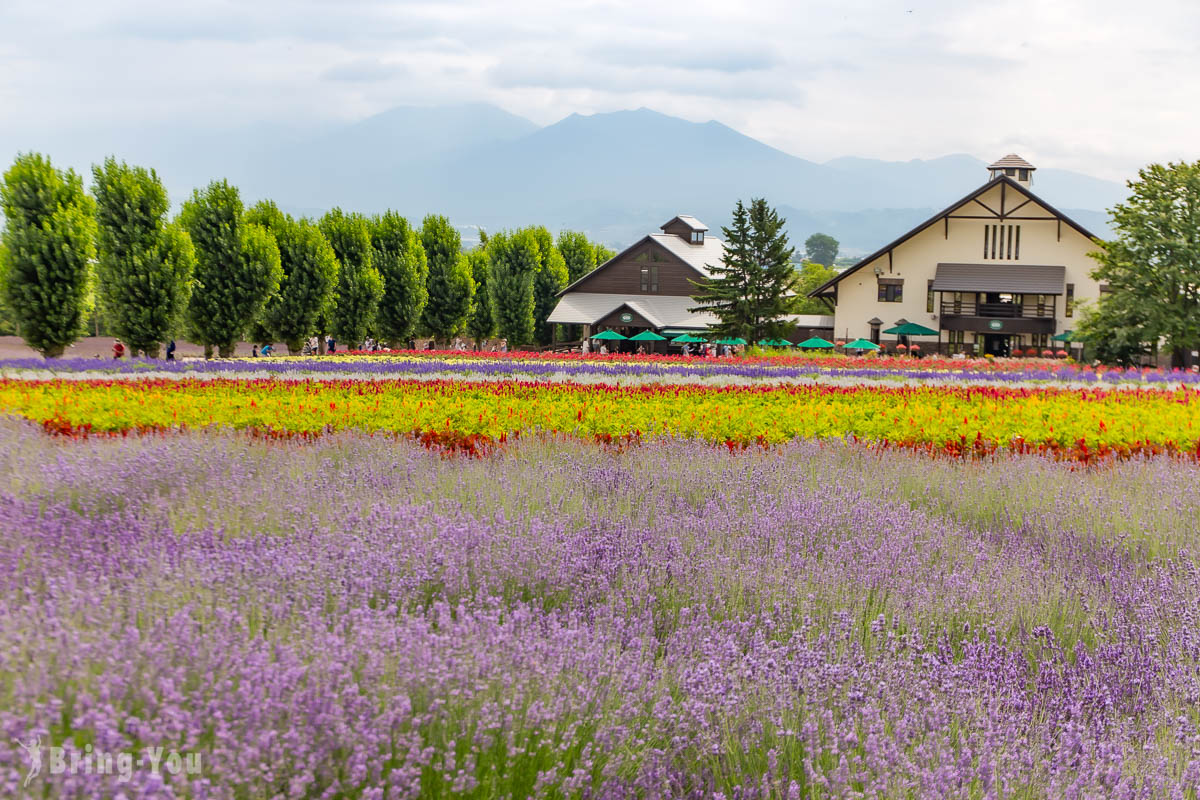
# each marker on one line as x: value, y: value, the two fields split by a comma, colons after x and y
x: 220, y: 272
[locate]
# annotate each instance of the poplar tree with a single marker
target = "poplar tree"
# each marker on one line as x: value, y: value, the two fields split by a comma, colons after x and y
x: 310, y: 276
x: 450, y: 283
x: 754, y: 286
x: 237, y: 268
x: 145, y: 262
x: 360, y: 285
x: 482, y: 323
x: 515, y: 261
x: 551, y: 278
x: 400, y: 259
x: 46, y: 248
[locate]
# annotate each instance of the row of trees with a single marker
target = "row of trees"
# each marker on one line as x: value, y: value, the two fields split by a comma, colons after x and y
x: 220, y: 272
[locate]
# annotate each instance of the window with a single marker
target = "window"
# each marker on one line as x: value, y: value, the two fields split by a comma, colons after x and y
x: 875, y: 332
x: 650, y: 278
x: 891, y: 290
x: 697, y: 237
x: 929, y: 296
x: 1002, y: 242
x: 955, y: 341
x: 1023, y: 175
x: 1070, y: 311
x: 1105, y: 288
x: 1040, y: 340
x: 1010, y: 171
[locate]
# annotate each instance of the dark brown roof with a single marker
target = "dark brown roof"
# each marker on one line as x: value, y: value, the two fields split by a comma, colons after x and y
x: 1012, y: 161
x: 999, y: 277
x: 936, y: 217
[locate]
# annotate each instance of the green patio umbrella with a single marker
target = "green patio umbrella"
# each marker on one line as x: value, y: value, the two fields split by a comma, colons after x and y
x: 1065, y: 336
x: 687, y: 338
x: 911, y: 329
x: 766, y: 342
x: 608, y: 335
x: 815, y: 342
x: 861, y: 344
x: 647, y: 336
x: 781, y: 343
x: 738, y: 340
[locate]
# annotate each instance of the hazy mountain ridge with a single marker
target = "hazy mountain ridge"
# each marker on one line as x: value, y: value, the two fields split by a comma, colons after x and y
x: 616, y: 175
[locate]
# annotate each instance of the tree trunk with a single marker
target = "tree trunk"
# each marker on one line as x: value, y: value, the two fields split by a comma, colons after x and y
x: 295, y: 347
x: 226, y: 350
x: 151, y: 350
x: 321, y: 344
x: 208, y: 352
x: 53, y: 351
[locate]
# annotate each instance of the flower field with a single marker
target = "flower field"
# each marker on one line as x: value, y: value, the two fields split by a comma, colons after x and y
x: 436, y: 577
x: 949, y: 419
x: 359, y: 617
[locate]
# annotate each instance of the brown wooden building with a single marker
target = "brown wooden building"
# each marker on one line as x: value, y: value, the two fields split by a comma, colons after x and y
x: 647, y: 286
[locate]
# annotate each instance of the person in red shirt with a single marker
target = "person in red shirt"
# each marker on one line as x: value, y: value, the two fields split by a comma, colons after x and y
x: 118, y: 349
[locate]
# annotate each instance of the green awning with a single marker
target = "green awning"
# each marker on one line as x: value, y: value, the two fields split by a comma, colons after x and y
x: 815, y: 342
x: 911, y: 329
x: 647, y: 336
x: 608, y: 335
x: 861, y: 344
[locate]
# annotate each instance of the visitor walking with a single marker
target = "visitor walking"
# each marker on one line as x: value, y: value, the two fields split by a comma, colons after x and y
x: 171, y: 350
x: 118, y: 349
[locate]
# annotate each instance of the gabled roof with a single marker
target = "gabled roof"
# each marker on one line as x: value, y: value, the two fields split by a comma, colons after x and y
x: 660, y: 310
x: 949, y: 209
x: 1012, y: 161
x: 688, y: 220
x: 696, y: 256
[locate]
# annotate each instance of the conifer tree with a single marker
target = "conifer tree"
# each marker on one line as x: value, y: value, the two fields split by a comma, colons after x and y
x: 753, y: 287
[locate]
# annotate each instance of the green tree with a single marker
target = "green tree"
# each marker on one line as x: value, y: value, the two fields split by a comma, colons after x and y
x: 1152, y: 267
x: 310, y: 276
x: 401, y: 261
x: 482, y: 323
x: 580, y: 255
x: 753, y: 287
x: 551, y: 278
x: 451, y: 286
x: 515, y: 261
x: 48, y: 242
x: 821, y: 248
x: 144, y: 261
x: 810, y: 276
x: 360, y: 286
x: 237, y: 268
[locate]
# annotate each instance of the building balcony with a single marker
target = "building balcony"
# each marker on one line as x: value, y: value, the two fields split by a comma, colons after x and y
x: 971, y: 308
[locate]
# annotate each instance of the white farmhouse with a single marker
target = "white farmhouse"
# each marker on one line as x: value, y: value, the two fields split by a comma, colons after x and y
x: 998, y: 270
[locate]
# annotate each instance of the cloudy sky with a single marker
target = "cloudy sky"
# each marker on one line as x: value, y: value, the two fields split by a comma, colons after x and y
x: 1101, y: 86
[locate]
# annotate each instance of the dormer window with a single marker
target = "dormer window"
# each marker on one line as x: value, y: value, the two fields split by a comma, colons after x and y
x: 697, y: 237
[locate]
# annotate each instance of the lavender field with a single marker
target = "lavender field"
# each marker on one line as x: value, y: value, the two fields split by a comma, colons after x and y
x: 363, y: 618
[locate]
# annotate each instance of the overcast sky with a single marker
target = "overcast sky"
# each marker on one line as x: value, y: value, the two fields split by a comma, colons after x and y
x: 1099, y: 86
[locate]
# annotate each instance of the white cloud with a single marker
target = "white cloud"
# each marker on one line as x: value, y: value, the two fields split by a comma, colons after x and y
x: 1095, y: 85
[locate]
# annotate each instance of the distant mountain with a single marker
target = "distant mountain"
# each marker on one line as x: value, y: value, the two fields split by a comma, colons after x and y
x: 616, y: 176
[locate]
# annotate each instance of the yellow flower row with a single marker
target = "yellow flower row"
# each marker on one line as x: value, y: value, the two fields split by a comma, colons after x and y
x: 907, y: 416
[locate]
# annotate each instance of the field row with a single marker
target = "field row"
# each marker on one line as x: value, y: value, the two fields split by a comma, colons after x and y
x: 908, y: 416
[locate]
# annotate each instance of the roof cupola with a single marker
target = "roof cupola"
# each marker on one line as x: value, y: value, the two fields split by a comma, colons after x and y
x: 1015, y: 167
